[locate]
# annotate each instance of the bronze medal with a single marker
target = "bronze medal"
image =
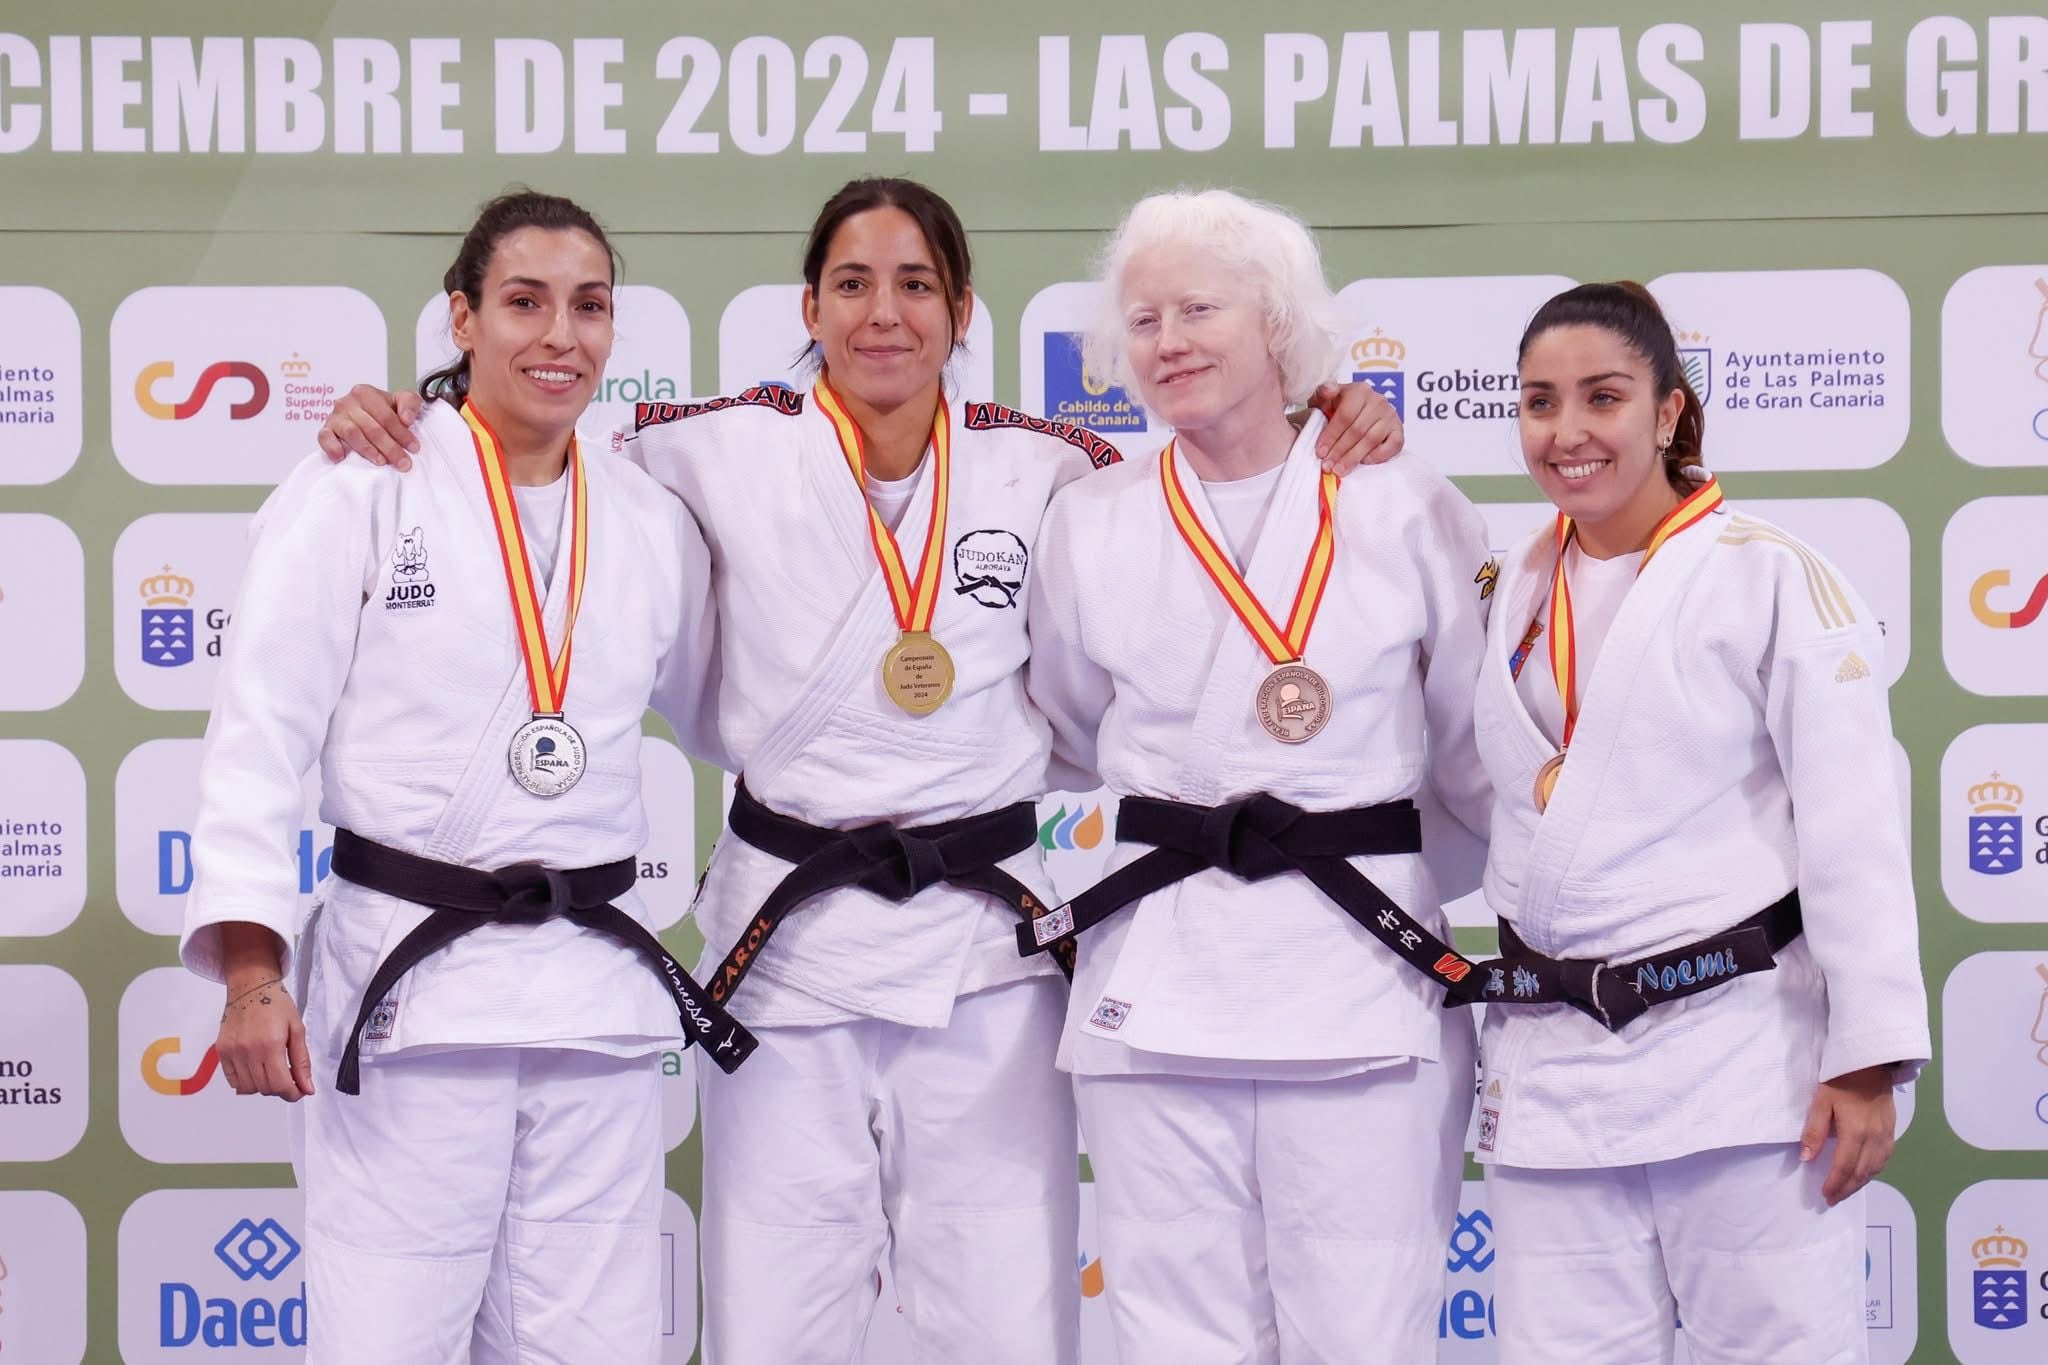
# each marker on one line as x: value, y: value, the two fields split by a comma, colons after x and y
x: 1546, y: 780
x: 917, y: 673
x: 1293, y: 703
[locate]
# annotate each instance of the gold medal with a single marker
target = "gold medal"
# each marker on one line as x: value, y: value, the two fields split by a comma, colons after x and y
x: 1546, y: 780
x: 917, y: 673
x: 1293, y: 703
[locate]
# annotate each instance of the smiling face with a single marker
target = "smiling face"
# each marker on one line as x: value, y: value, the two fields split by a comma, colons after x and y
x: 879, y: 311
x: 1593, y: 426
x: 539, y: 332
x: 1197, y: 341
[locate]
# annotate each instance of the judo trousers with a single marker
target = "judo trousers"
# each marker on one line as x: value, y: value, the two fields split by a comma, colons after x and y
x: 952, y: 1150
x: 484, y: 1206
x: 1279, y: 1221
x: 1737, y: 1243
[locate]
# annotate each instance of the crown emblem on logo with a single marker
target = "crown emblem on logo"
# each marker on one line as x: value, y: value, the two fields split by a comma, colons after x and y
x: 295, y: 368
x: 1685, y: 338
x: 166, y: 589
x: 2000, y: 1248
x: 1996, y: 795
x: 1378, y: 352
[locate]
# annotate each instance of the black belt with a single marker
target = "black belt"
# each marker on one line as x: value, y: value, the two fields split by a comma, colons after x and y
x: 1615, y: 994
x: 1254, y: 838
x: 464, y: 898
x: 891, y: 862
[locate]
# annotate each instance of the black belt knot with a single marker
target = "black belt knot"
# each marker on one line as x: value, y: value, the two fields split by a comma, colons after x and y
x: 895, y: 863
x: 532, y: 893
x: 1242, y: 837
x: 465, y: 898
x: 901, y: 863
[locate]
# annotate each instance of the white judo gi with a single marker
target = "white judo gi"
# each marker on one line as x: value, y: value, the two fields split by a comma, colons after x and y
x: 903, y: 1097
x: 1274, y: 1103
x: 500, y: 1173
x: 1733, y: 743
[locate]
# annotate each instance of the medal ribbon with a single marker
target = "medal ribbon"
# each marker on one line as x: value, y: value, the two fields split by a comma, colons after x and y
x: 1564, y: 664
x: 1281, y: 646
x: 548, y: 685
x: 917, y: 598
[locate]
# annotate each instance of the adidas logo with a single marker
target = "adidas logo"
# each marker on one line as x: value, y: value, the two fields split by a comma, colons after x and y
x: 1852, y: 669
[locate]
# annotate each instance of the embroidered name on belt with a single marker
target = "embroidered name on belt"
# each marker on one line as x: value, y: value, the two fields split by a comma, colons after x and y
x: 987, y: 416
x: 786, y: 401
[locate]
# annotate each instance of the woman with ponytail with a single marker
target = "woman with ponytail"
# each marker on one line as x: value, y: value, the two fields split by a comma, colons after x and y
x: 1709, y: 981
x: 475, y: 1084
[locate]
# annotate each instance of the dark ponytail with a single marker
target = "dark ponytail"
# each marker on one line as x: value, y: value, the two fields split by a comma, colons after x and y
x: 1626, y: 311
x: 499, y: 219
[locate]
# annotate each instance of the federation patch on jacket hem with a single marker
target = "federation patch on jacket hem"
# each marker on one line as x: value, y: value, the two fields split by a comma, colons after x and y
x: 786, y: 401
x: 986, y: 416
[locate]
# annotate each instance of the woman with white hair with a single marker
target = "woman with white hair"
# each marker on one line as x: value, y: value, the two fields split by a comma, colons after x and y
x: 1272, y: 670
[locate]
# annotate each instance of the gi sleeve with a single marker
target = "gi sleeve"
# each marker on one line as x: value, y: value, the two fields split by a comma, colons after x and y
x: 1071, y: 689
x: 1457, y: 801
x: 1829, y: 718
x: 686, y: 687
x: 290, y: 646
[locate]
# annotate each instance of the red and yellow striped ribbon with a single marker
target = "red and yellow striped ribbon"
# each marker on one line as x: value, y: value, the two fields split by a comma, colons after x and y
x: 915, y: 599
x: 547, y: 684
x: 1564, y: 664
x: 1281, y: 646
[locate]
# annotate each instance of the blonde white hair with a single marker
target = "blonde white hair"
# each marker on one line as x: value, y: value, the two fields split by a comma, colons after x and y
x: 1256, y: 241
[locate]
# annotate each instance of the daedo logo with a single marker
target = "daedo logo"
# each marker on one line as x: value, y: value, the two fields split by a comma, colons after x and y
x: 148, y: 398
x: 256, y: 1254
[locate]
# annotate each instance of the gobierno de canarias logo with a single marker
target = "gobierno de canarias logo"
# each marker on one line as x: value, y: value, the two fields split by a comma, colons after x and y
x: 156, y: 376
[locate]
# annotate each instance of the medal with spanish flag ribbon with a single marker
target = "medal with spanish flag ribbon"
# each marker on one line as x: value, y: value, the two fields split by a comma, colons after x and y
x: 917, y: 672
x: 1293, y: 701
x: 547, y: 755
x: 1564, y: 665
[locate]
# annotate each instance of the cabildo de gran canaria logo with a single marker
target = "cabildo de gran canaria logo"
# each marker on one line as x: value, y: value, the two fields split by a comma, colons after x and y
x: 167, y: 619
x: 1998, y: 1287
x: 252, y: 1252
x: 1075, y: 394
x: 1996, y: 828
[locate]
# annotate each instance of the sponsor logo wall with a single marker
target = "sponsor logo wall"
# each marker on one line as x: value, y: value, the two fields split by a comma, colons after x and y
x: 42, y: 367
x: 42, y: 1277
x: 1997, y: 1298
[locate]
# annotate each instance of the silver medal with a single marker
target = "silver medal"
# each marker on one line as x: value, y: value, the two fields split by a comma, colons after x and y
x: 547, y: 756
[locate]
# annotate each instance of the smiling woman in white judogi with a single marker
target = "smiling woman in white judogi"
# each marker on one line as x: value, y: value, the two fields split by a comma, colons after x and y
x: 467, y: 652
x: 1710, y: 979
x: 1267, y: 667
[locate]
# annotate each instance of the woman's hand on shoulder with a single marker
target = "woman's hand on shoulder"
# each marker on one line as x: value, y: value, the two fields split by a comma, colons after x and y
x: 374, y: 424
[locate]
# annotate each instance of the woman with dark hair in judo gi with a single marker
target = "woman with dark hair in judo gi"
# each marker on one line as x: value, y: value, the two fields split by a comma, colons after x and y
x: 478, y: 1122
x: 1710, y: 977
